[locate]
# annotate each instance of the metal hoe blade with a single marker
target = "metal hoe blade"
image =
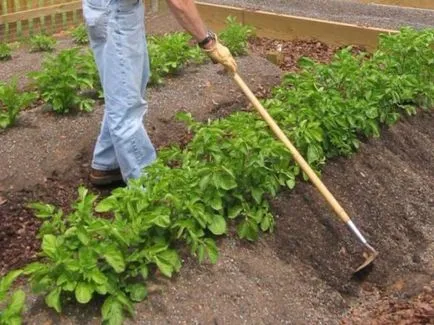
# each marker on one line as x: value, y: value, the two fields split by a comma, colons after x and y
x: 369, y: 256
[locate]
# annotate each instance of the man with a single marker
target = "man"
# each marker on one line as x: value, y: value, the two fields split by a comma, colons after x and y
x: 117, y: 37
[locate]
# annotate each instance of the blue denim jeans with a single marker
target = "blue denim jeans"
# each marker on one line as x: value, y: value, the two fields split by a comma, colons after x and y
x: 117, y: 36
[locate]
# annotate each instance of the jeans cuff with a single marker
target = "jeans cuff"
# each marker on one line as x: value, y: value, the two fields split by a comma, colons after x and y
x: 104, y: 167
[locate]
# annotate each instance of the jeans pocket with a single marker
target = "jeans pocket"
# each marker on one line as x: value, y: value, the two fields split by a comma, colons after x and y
x: 127, y: 5
x: 129, y: 17
x: 97, y: 4
x: 96, y: 14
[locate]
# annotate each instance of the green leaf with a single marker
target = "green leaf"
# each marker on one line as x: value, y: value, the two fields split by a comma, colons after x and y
x: 257, y: 194
x: 312, y: 154
x: 98, y: 277
x: 83, y: 236
x: 101, y: 289
x: 42, y: 211
x: 15, y: 306
x: 266, y: 223
x: 144, y: 272
x: 200, y: 252
x: 84, y: 292
x: 212, y: 250
x: 168, y: 262
x: 137, y: 292
x: 69, y: 286
x: 114, y: 257
x: 372, y: 112
x: 224, y: 180
x: 112, y: 312
x: 49, y: 245
x: 216, y: 202
x: 162, y: 221
x: 290, y: 183
x: 108, y: 204
x: 234, y: 211
x: 248, y: 230
x: 6, y: 282
x: 164, y: 267
x: 4, y: 121
x: 203, y: 184
x: 218, y: 225
x: 125, y: 302
x: 34, y: 267
x: 43, y: 284
x: 53, y: 299
x: 14, y: 320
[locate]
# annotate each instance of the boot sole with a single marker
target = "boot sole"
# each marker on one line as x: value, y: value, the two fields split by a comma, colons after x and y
x: 106, y: 180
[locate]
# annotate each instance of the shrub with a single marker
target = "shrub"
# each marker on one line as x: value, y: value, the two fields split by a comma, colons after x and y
x: 235, y: 36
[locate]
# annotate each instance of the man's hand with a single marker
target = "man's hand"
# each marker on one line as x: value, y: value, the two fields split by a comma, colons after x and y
x: 221, y: 54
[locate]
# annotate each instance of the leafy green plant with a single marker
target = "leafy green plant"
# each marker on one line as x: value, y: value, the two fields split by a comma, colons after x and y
x: 224, y: 176
x: 235, y: 36
x: 11, y: 102
x: 92, y: 72
x: 63, y: 77
x: 328, y: 107
x: 11, y: 314
x: 79, y: 35
x: 76, y: 262
x: 42, y: 43
x: 5, y: 52
x: 169, y: 53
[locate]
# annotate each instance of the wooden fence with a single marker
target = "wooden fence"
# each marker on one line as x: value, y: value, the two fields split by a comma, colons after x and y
x: 21, y: 18
x: 59, y: 16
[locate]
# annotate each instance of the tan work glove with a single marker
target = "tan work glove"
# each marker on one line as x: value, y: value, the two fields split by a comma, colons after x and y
x: 221, y: 54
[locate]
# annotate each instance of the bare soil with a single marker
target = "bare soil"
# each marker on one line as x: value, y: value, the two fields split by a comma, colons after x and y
x: 300, y: 274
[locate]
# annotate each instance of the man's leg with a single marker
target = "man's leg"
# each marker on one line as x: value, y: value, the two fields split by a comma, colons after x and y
x: 126, y: 71
x: 97, y: 14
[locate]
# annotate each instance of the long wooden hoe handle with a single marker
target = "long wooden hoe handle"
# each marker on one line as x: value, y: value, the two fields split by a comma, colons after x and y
x: 297, y: 156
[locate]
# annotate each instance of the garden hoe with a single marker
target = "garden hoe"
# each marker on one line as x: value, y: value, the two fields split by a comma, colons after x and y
x: 370, y: 254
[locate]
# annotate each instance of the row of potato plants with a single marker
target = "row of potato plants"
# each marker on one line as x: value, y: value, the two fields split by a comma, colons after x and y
x: 224, y: 177
x: 69, y: 80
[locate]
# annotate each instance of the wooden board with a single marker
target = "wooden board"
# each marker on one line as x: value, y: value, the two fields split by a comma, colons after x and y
x: 288, y: 27
x: 422, y: 4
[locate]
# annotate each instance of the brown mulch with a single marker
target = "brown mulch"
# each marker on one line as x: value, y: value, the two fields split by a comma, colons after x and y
x: 390, y: 311
x: 291, y: 51
x: 286, y: 54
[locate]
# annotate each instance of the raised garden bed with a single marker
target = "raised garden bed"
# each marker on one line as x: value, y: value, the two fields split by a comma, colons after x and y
x: 302, y: 272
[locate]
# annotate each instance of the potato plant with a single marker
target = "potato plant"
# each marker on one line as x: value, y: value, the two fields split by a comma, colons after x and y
x: 12, y: 101
x: 169, y: 53
x: 63, y: 77
x: 225, y: 175
x: 235, y: 36
x: 5, y: 52
x: 79, y: 35
x: 14, y: 304
x: 42, y: 43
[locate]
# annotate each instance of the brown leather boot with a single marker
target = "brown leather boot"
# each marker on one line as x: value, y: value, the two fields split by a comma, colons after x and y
x: 105, y: 177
